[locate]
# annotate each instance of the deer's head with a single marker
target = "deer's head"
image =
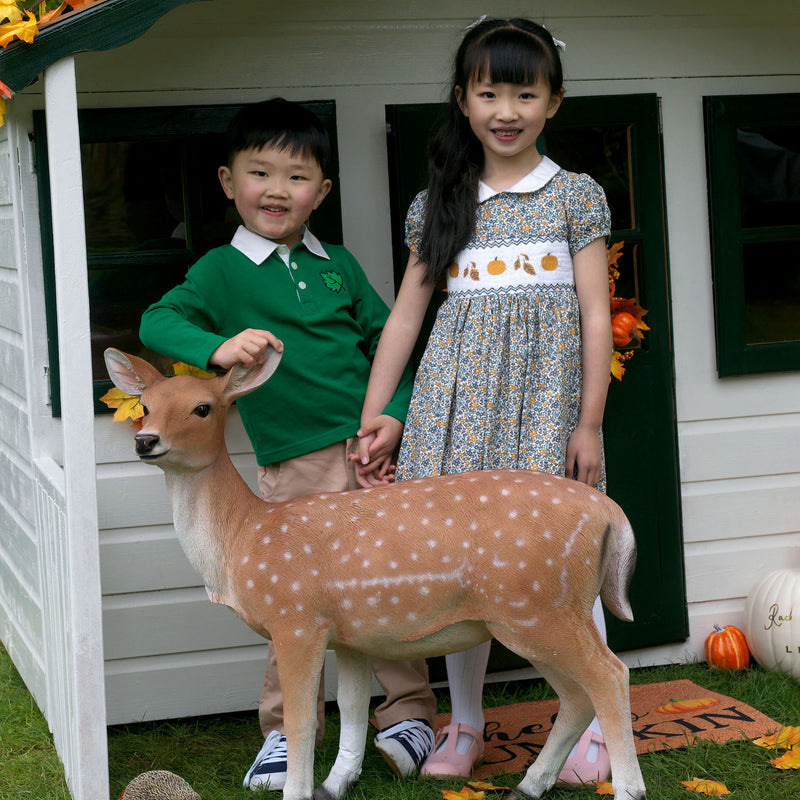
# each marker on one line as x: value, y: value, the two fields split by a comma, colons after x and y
x: 184, y: 418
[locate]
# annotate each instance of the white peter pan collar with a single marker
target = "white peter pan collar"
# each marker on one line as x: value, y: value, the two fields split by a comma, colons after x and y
x: 258, y: 249
x: 544, y: 171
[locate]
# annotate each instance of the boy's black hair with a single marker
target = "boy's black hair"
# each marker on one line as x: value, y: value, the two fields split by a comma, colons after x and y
x: 281, y: 124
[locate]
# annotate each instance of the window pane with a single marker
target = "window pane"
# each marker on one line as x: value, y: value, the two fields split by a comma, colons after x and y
x: 133, y: 196
x: 117, y: 298
x: 769, y: 175
x: 772, y: 292
x: 604, y: 153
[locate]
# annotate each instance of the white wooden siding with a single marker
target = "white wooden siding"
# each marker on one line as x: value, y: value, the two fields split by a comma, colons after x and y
x: 740, y: 459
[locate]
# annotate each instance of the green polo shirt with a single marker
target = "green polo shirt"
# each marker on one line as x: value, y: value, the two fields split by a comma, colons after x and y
x: 319, y: 304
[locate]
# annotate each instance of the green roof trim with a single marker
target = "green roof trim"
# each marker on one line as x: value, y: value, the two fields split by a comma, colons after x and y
x: 99, y: 27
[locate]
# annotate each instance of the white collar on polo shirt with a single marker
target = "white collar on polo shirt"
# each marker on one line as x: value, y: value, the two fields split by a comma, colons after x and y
x: 258, y: 249
x: 533, y: 181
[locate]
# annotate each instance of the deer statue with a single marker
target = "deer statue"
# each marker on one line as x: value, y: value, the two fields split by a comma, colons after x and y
x: 407, y: 570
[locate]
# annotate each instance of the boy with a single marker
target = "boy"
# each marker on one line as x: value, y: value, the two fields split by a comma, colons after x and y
x: 314, y: 302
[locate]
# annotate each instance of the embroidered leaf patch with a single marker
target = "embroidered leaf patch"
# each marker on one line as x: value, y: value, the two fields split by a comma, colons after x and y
x: 333, y: 280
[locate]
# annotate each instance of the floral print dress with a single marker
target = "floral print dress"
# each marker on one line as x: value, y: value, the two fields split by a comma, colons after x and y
x: 499, y: 384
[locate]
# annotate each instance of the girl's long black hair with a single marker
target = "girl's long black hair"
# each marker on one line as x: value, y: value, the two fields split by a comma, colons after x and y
x: 509, y: 51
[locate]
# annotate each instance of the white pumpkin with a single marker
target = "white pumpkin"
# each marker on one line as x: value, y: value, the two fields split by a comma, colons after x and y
x: 772, y: 621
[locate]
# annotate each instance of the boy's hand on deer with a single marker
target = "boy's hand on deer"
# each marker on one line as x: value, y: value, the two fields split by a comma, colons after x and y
x: 584, y: 456
x: 248, y: 348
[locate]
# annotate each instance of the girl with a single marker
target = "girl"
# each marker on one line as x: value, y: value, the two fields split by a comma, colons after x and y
x: 516, y: 369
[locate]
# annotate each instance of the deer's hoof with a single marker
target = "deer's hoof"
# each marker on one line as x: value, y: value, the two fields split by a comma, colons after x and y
x: 517, y: 796
x: 321, y: 793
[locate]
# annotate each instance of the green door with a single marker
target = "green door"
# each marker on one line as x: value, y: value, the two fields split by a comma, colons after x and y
x: 617, y: 141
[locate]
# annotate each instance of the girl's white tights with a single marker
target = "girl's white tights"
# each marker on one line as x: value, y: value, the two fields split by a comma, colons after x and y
x: 465, y: 674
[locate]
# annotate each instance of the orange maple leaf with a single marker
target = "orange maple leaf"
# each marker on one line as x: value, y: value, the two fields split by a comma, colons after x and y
x: 51, y: 15
x: 488, y: 787
x: 702, y: 786
x: 789, y: 760
x: 781, y: 740
x: 465, y: 794
x: 25, y: 30
x: 604, y: 787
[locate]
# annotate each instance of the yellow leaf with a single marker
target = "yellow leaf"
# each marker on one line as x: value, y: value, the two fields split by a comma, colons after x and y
x: 179, y: 368
x: 465, y: 794
x: 488, y: 787
x: 789, y: 760
x: 783, y: 739
x: 128, y: 406
x: 19, y: 30
x: 604, y: 787
x: 10, y: 11
x: 711, y: 788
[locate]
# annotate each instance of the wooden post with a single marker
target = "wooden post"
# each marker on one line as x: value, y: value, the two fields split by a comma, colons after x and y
x: 81, y: 737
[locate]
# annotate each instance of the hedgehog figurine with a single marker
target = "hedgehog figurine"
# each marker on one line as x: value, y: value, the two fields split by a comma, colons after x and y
x: 159, y: 785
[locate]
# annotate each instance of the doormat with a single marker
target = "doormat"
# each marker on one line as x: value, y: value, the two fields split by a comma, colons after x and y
x: 664, y: 715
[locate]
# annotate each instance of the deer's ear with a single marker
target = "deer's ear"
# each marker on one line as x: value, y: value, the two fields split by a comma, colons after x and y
x: 130, y: 373
x: 243, y: 380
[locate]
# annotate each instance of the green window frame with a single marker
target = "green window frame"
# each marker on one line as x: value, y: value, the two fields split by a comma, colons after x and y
x: 131, y: 276
x: 753, y: 159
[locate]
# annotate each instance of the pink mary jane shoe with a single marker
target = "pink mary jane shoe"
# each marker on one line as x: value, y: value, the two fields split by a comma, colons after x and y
x: 579, y: 769
x: 449, y: 763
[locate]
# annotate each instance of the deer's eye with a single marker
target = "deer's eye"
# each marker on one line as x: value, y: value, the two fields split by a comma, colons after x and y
x: 203, y: 410
x: 145, y: 409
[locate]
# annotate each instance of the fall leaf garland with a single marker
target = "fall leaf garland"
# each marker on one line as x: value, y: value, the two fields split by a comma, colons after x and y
x: 627, y: 323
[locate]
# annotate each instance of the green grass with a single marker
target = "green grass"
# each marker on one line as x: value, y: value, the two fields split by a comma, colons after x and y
x: 212, y: 753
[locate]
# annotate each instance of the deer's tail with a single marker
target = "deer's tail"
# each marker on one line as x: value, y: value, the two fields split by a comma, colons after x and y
x: 620, y: 561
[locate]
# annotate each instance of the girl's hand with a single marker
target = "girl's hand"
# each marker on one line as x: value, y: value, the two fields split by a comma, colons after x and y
x: 584, y: 455
x: 378, y: 440
x: 248, y: 347
x: 375, y: 473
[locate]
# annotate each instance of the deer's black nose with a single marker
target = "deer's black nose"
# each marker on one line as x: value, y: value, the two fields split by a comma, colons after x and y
x: 145, y: 442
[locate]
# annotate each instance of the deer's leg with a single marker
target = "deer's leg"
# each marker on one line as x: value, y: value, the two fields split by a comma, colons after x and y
x: 299, y: 668
x: 355, y: 678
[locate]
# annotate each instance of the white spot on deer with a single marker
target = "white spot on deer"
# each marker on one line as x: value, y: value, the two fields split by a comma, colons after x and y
x: 533, y: 493
x: 357, y: 623
x: 432, y: 543
x: 424, y: 590
x: 365, y: 563
x: 262, y: 566
x: 519, y: 603
x: 535, y: 512
x: 412, y: 616
x: 373, y: 600
x: 345, y: 558
x: 481, y: 551
x: 570, y: 490
x: 458, y: 498
x: 299, y: 632
x: 362, y: 533
x: 314, y: 572
x: 347, y: 603
x: 287, y: 556
x: 594, y: 498
x: 258, y: 527
x: 547, y: 534
x: 483, y: 498
x: 547, y: 483
x: 329, y: 524
x: 536, y: 586
x: 522, y: 564
x: 266, y: 540
x: 430, y: 504
x: 588, y: 560
x: 505, y: 492
x: 307, y: 548
x: 429, y: 488
x: 336, y: 545
x: 298, y: 608
x: 381, y: 513
x: 415, y: 556
x: 245, y: 559
x: 449, y: 522
x: 496, y: 562
x: 304, y: 518
x: 250, y: 583
x: 527, y: 623
x: 498, y: 534
x: 513, y: 514
x: 274, y: 579
x: 549, y: 562
x: 379, y: 543
x: 392, y: 565
x: 401, y: 527
x: 295, y: 586
x: 446, y: 559
x: 394, y: 600
x: 333, y: 506
x: 465, y: 545
x: 268, y: 599
x: 520, y: 543
x: 425, y: 521
x: 473, y: 526
x: 284, y: 528
x: 405, y: 505
x: 555, y: 500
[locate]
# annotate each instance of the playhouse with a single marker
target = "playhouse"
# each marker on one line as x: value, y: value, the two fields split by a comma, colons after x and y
x: 688, y: 114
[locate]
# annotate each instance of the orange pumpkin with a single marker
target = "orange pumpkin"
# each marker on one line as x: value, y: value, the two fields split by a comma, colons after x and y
x: 687, y: 706
x: 496, y: 266
x: 726, y: 648
x: 623, y: 327
x: 453, y: 270
x: 549, y: 262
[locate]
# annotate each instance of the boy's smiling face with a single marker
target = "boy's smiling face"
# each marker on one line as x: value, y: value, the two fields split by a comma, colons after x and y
x: 275, y: 191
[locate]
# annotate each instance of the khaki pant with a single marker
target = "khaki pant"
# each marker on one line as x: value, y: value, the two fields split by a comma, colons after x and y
x: 408, y: 695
